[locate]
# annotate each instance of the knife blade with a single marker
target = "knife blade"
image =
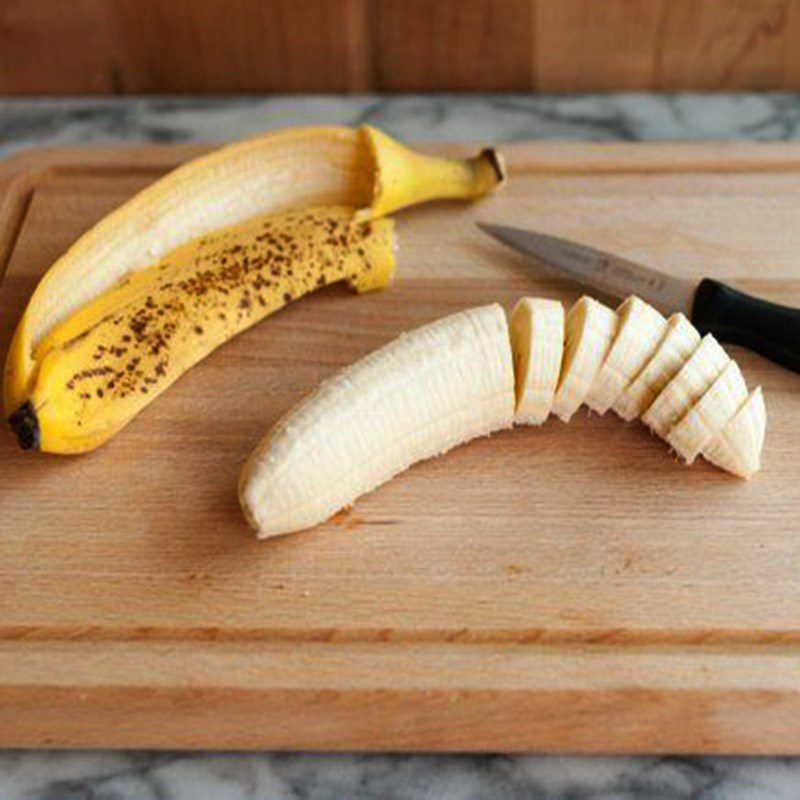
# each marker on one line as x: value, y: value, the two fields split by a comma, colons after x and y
x: 732, y: 316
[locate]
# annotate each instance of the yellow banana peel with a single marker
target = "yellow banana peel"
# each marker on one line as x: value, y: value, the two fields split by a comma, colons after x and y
x: 177, y: 232
x: 105, y: 363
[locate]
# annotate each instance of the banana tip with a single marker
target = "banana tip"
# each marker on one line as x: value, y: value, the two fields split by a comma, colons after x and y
x: 26, y: 427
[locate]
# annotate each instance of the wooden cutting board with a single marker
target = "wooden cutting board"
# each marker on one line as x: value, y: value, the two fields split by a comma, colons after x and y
x: 565, y: 588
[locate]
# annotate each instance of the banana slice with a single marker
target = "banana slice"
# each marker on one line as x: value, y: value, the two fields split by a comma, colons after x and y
x: 679, y: 342
x: 537, y: 342
x: 687, y: 387
x: 640, y: 329
x: 290, y: 169
x: 738, y: 448
x: 710, y: 414
x: 417, y: 397
x: 590, y: 330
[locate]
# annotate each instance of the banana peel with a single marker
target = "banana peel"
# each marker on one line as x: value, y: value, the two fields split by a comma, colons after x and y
x: 363, y: 170
x: 100, y: 367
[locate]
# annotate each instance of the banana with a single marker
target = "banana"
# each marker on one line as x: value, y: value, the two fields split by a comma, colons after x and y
x: 679, y: 342
x: 289, y: 169
x: 639, y: 331
x: 417, y: 397
x: 537, y: 342
x: 103, y: 364
x: 710, y: 414
x: 737, y: 449
x: 453, y: 380
x: 590, y: 329
x: 687, y: 387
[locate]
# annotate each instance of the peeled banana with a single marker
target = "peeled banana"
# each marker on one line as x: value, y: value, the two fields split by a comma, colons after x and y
x: 471, y: 373
x: 204, y: 218
x: 417, y: 397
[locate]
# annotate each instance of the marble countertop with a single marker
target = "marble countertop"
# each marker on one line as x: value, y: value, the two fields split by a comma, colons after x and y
x: 101, y: 775
x: 628, y: 117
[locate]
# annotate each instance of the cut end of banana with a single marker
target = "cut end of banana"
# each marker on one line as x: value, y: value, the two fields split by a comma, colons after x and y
x: 537, y: 342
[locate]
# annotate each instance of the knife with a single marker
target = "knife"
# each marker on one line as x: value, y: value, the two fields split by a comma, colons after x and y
x: 732, y: 316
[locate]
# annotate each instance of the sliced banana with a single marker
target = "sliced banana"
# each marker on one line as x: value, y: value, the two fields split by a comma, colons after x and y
x: 687, y: 387
x: 738, y: 448
x: 537, y: 342
x: 710, y: 414
x: 417, y: 397
x: 453, y: 380
x: 589, y: 331
x: 640, y: 329
x: 679, y: 342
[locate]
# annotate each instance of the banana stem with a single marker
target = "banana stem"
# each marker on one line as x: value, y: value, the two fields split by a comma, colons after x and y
x: 404, y: 177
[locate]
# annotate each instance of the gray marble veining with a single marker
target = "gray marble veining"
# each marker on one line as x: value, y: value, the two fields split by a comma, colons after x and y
x: 282, y: 776
x: 61, y: 122
x: 45, y: 775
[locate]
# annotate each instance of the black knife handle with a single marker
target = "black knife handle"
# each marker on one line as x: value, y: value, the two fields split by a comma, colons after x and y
x: 732, y: 316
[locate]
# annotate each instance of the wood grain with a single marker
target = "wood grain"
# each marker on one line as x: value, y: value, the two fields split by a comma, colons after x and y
x: 205, y: 46
x: 479, y: 45
x: 202, y: 46
x: 408, y: 697
x: 278, y: 45
x: 667, y: 45
x: 565, y: 588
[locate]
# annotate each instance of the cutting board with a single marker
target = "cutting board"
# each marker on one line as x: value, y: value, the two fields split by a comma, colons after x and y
x: 563, y: 588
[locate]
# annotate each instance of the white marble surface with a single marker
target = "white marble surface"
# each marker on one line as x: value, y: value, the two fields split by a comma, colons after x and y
x: 264, y: 776
x: 53, y: 123
x: 42, y: 775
